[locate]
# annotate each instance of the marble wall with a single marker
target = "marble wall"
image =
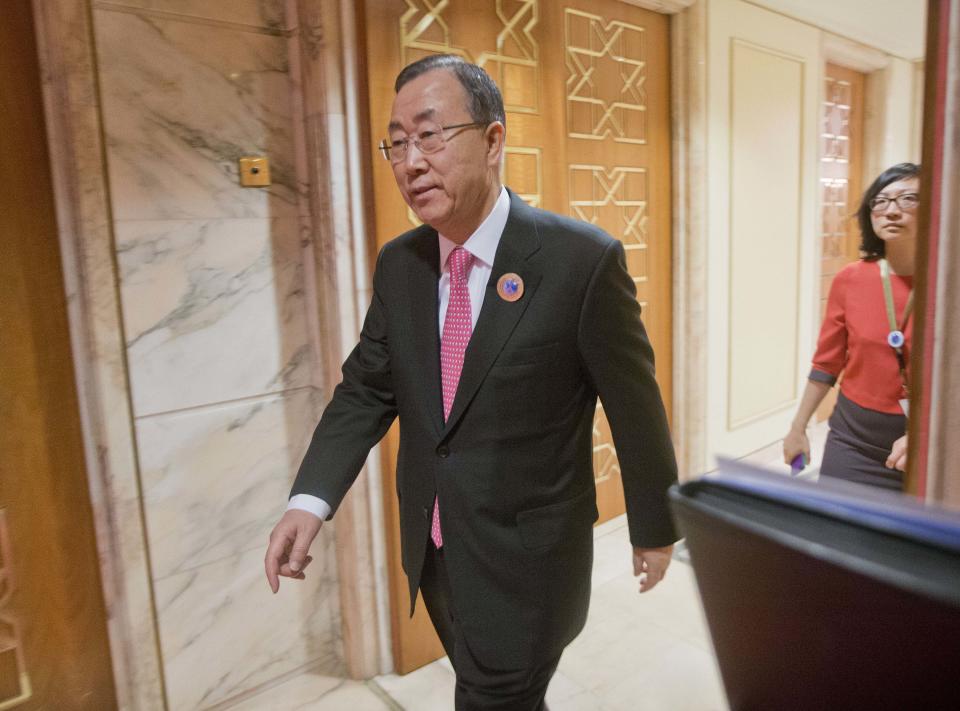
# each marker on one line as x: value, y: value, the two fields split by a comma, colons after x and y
x: 223, y: 367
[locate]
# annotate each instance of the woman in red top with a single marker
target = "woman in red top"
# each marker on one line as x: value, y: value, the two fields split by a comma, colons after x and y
x: 866, y: 336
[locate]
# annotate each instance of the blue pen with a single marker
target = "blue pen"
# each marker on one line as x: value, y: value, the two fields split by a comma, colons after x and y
x: 798, y: 463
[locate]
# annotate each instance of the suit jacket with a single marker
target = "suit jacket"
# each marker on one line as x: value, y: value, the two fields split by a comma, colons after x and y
x: 512, y: 466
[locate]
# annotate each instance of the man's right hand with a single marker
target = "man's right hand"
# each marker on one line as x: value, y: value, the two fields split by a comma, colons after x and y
x: 289, y: 542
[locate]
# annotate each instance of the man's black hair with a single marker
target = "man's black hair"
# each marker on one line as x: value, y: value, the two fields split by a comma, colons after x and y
x: 484, y: 101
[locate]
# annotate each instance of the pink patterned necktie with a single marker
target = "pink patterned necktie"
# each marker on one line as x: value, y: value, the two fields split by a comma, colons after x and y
x: 457, y: 329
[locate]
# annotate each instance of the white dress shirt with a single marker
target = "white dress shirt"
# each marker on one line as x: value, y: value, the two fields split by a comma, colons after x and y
x: 482, y: 244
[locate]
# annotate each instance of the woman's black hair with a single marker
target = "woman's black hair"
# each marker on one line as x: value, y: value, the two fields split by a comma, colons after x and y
x: 872, y: 246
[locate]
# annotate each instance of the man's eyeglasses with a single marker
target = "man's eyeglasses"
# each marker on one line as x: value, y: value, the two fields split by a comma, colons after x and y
x: 429, y: 140
x: 907, y: 202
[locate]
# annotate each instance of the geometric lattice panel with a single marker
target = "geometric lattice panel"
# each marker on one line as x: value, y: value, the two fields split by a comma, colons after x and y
x: 513, y: 62
x: 835, y: 136
x: 14, y: 682
x: 616, y: 200
x: 522, y: 171
x: 605, y: 462
x: 835, y: 212
x: 607, y: 69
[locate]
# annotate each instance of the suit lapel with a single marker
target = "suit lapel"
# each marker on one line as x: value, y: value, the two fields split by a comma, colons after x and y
x: 423, y: 280
x: 498, y: 318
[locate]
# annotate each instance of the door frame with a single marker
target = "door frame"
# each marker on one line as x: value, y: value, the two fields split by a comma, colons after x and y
x: 680, y: 373
x: 77, y: 159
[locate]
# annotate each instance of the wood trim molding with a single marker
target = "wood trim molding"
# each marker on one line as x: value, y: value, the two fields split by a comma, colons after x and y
x: 15, y: 688
x: 943, y: 472
x: 339, y: 282
x: 853, y: 55
x: 664, y: 7
x: 688, y: 46
x: 934, y: 453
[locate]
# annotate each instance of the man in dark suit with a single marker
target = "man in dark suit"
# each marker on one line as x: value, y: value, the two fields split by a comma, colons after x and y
x: 492, y: 330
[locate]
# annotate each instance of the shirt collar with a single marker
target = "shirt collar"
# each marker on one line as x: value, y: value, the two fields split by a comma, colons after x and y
x: 483, y: 243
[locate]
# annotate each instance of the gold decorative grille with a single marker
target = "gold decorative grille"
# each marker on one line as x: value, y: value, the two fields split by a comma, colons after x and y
x: 514, y: 62
x: 835, y: 212
x: 836, y: 121
x: 605, y: 462
x: 14, y: 681
x: 837, y: 161
x: 523, y: 173
x: 616, y: 200
x: 608, y: 100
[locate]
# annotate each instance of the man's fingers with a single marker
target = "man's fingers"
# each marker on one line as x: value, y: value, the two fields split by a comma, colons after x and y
x: 651, y: 564
x: 653, y: 576
x: 273, y: 559
x: 298, y: 554
x: 650, y: 580
x: 289, y: 542
x: 287, y: 571
x: 278, y: 565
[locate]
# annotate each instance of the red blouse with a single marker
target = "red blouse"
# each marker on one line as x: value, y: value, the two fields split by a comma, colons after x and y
x: 853, y: 337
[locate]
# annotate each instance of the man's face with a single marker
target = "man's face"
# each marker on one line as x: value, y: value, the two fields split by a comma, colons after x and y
x: 454, y: 188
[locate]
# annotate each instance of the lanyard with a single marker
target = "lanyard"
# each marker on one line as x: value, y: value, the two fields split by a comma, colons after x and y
x: 896, y: 338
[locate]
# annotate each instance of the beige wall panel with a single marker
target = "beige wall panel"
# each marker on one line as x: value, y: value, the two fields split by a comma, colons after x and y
x: 766, y: 133
x: 763, y: 94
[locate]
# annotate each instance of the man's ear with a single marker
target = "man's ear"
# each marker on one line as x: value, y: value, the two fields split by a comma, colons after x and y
x: 495, y: 136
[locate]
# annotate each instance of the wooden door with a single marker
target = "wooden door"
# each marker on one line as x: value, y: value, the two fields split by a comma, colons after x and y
x: 586, y: 88
x: 841, y: 185
x: 53, y: 637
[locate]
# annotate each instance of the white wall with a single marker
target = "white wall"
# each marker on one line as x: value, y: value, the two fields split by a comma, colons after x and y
x: 893, y: 119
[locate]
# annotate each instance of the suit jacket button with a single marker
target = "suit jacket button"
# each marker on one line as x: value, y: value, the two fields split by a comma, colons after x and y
x: 426, y: 513
x: 443, y: 451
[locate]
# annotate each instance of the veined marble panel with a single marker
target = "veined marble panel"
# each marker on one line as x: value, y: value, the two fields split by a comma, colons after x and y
x: 222, y: 632
x: 212, y: 310
x: 182, y: 102
x: 215, y: 479
x: 266, y: 14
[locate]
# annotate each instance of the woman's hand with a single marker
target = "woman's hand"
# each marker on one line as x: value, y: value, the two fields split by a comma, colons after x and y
x: 795, y: 443
x: 898, y: 455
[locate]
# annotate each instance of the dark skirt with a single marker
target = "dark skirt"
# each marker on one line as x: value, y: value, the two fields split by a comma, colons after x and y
x: 859, y: 443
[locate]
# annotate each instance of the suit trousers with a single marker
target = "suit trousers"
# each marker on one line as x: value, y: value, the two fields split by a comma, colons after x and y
x: 478, y: 688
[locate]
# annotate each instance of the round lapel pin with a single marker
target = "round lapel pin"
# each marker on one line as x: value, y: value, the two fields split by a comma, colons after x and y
x: 510, y: 287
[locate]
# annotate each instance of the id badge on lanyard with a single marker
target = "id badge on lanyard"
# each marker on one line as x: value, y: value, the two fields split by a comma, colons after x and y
x: 896, y: 338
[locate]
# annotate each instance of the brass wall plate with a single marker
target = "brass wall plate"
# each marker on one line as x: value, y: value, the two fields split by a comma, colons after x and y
x: 254, y: 171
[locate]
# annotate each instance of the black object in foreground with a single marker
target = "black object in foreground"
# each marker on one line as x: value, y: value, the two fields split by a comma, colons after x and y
x: 824, y: 595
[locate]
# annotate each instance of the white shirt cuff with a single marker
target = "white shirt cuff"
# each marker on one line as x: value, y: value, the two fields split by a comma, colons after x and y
x: 305, y: 502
